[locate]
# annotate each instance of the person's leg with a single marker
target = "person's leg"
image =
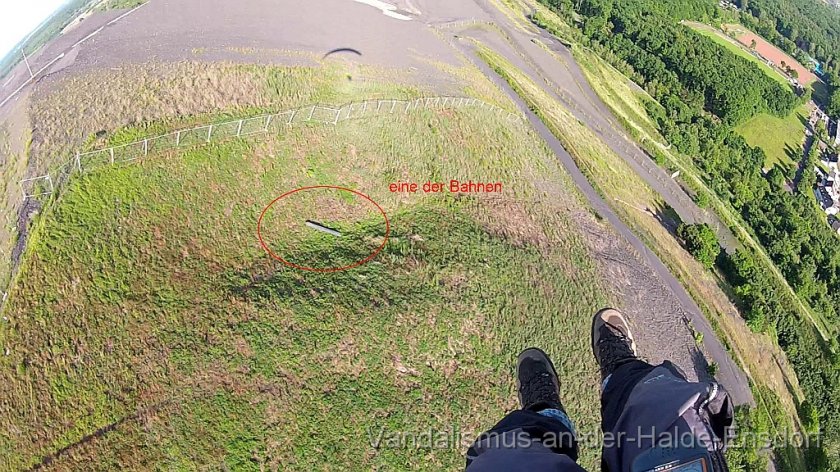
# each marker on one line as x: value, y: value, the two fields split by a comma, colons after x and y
x: 652, y: 414
x: 615, y: 351
x: 539, y: 390
x: 621, y: 368
x: 541, y: 432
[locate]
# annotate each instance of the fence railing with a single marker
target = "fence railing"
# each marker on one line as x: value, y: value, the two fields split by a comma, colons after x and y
x: 216, y: 132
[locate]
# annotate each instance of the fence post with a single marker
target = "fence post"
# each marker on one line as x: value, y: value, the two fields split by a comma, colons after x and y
x: 239, y: 129
x: 267, y: 122
x: 49, y: 179
x: 209, y: 132
x: 178, y: 138
x: 291, y: 117
x: 146, y: 147
x: 393, y: 105
x: 112, y: 154
x: 78, y: 162
x: 311, y: 112
x: 379, y: 105
x: 364, y: 108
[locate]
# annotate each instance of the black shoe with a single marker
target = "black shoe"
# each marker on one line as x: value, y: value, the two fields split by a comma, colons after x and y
x: 536, y: 381
x: 612, y: 342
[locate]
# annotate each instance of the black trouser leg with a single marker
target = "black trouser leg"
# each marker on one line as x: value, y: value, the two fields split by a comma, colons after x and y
x: 552, y: 432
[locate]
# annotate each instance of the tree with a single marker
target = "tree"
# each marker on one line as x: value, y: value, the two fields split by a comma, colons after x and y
x: 810, y: 417
x: 701, y: 242
x: 776, y: 178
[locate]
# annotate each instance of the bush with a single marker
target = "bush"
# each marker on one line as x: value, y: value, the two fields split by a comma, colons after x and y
x: 701, y: 242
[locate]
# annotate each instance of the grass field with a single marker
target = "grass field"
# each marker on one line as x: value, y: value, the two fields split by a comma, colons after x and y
x: 118, y: 4
x: 725, y: 41
x: 780, y: 138
x: 149, y: 330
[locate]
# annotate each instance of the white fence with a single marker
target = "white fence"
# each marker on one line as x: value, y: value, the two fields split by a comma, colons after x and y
x: 83, y: 161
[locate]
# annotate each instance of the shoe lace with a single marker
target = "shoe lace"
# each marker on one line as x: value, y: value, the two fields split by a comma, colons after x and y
x: 614, y: 346
x: 538, y: 386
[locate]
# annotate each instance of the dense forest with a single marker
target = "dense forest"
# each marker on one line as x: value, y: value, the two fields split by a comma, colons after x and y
x: 701, y: 91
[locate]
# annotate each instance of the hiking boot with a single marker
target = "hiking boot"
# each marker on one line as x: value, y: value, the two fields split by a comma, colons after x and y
x: 612, y: 342
x: 536, y: 381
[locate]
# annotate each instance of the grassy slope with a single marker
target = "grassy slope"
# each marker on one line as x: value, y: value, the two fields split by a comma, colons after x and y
x: 779, y: 138
x: 721, y: 38
x: 145, y: 302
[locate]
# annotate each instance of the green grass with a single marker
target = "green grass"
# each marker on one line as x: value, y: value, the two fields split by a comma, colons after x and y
x: 726, y: 42
x: 623, y: 97
x: 145, y: 302
x: 779, y: 138
x: 119, y: 4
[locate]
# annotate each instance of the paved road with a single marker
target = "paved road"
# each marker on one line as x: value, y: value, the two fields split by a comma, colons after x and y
x: 567, y: 82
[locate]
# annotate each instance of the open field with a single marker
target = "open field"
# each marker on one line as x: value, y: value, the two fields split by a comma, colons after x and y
x: 165, y: 317
x: 780, y: 138
x: 771, y: 52
x: 733, y: 46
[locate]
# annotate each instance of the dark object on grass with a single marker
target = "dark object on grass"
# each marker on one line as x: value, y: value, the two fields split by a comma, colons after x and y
x: 354, y: 51
x: 320, y: 227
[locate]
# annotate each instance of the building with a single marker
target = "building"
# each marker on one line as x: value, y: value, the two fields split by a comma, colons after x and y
x: 835, y: 223
x: 832, y: 187
x: 834, y: 132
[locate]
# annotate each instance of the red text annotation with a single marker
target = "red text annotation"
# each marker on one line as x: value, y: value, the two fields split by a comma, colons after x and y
x: 454, y: 186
